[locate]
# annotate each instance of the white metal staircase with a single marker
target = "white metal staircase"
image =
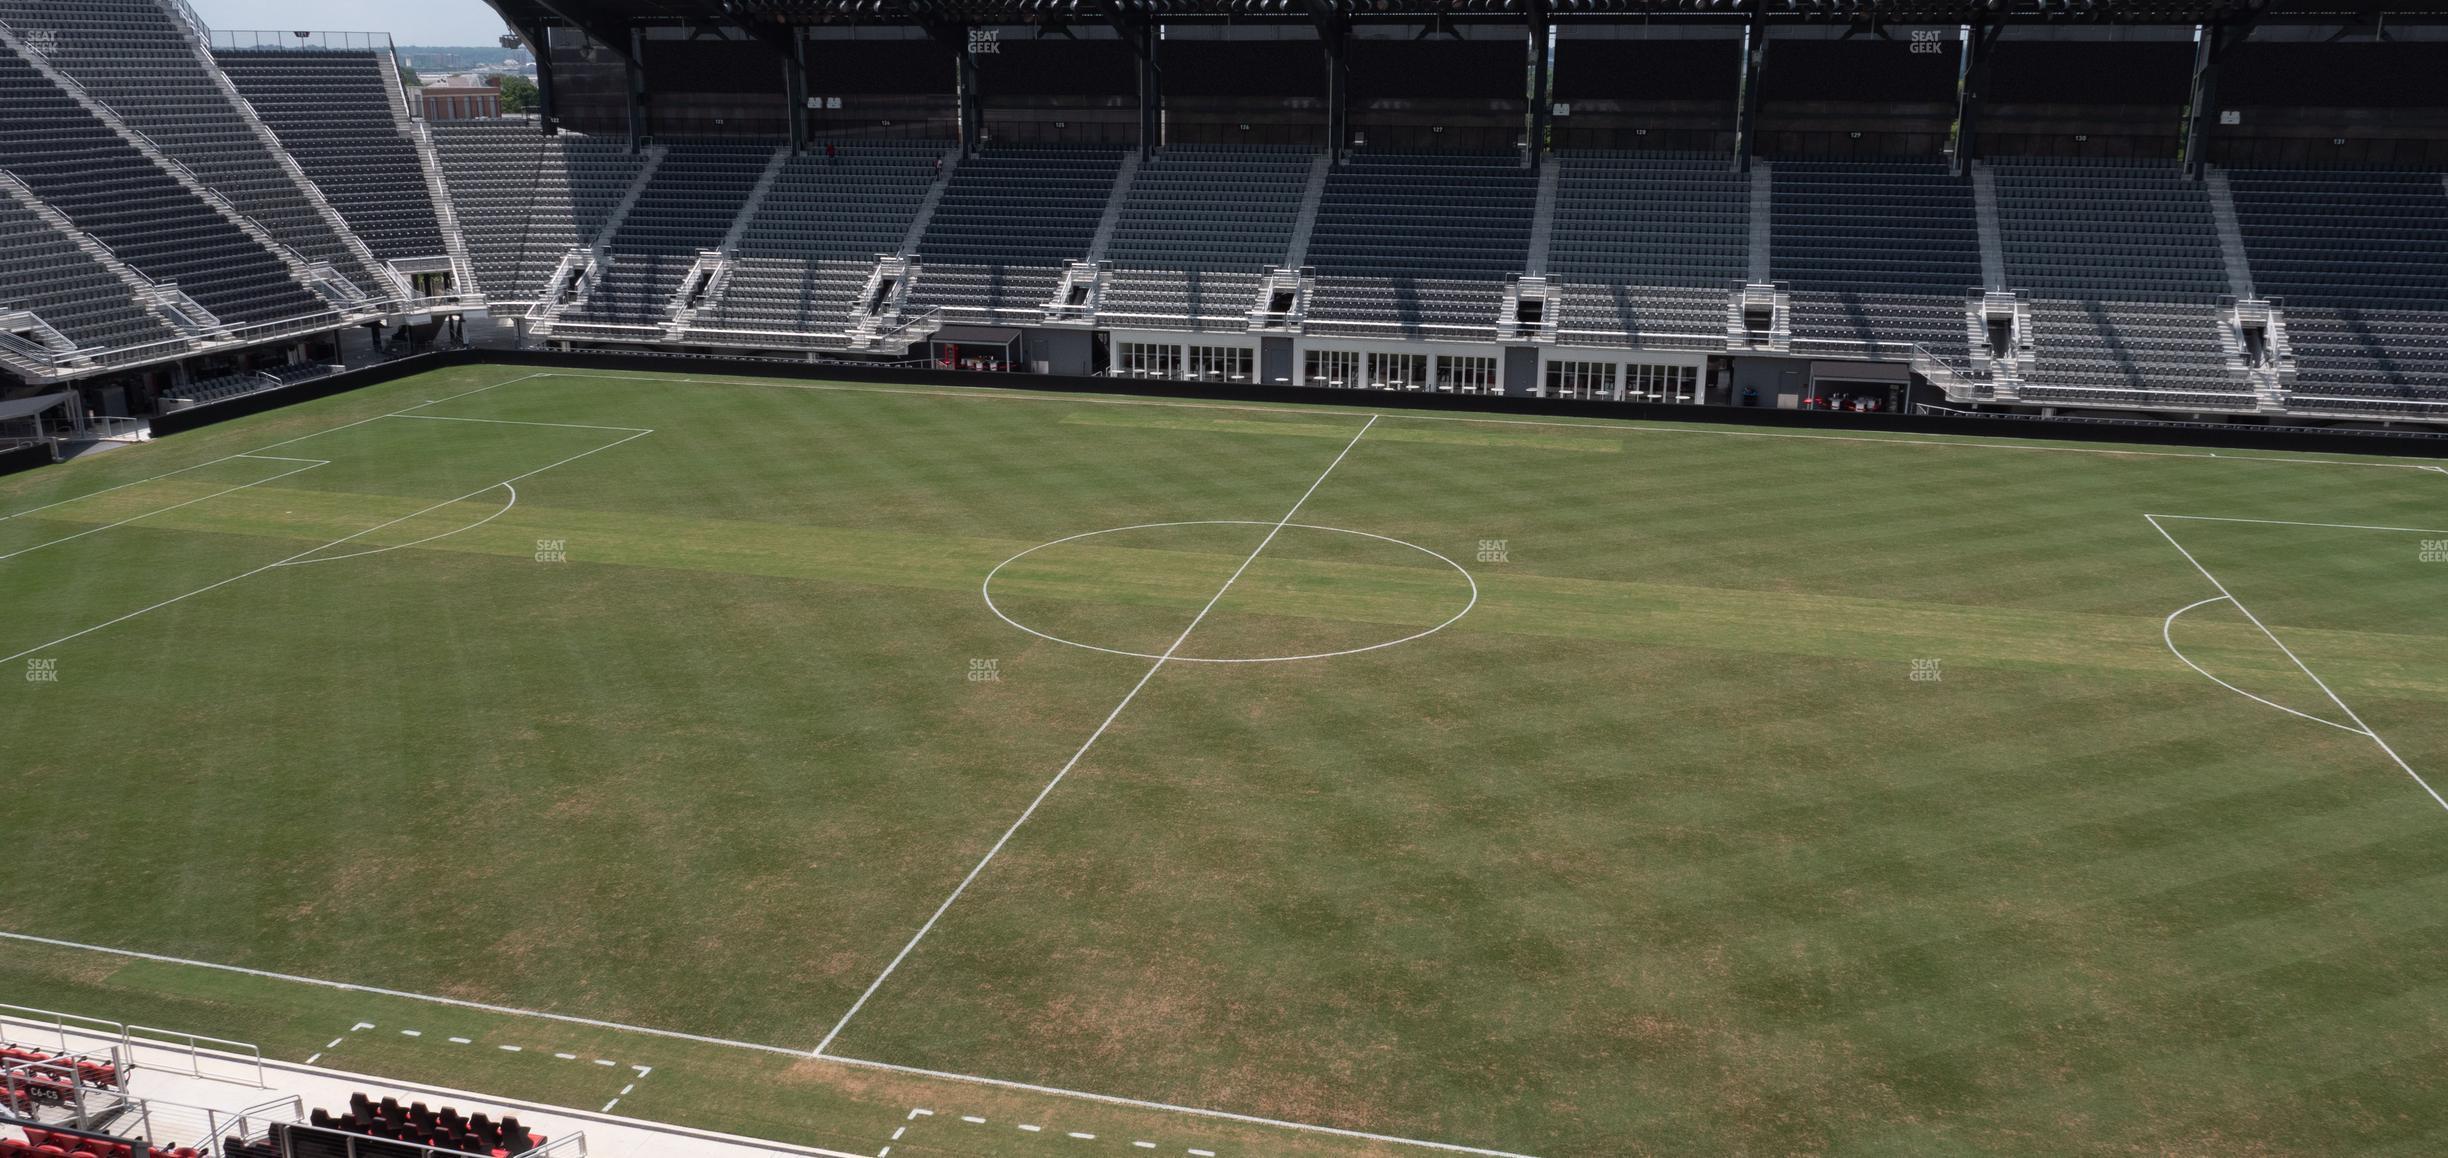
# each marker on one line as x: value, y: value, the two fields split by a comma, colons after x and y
x: 700, y: 288
x: 1283, y: 300
x: 1528, y: 313
x: 2253, y: 333
x: 570, y: 283
x: 877, y: 318
x: 1759, y: 318
x: 582, y: 269
x: 1080, y: 293
x: 1984, y: 314
x: 34, y: 351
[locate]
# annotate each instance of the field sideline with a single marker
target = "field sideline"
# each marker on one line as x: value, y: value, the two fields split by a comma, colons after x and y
x: 1250, y: 779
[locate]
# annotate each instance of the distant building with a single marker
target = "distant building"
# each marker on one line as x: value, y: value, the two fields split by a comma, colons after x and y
x: 465, y: 97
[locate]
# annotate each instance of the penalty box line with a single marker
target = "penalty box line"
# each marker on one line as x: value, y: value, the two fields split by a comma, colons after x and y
x: 2359, y: 724
x: 258, y: 452
x: 1093, y: 737
x: 342, y: 540
x: 731, y: 1043
x: 311, y: 463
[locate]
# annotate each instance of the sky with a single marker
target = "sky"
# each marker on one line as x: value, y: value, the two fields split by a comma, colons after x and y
x: 420, y: 22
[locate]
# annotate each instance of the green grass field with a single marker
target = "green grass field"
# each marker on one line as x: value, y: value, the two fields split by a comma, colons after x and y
x: 1776, y: 793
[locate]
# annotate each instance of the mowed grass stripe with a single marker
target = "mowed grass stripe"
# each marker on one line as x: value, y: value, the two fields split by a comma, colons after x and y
x: 1410, y: 595
x: 1660, y: 850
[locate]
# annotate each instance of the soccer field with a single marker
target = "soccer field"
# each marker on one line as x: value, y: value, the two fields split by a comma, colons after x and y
x: 1536, y: 787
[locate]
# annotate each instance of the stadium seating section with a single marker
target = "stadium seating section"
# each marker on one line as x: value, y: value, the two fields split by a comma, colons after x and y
x: 41, y: 1143
x: 686, y: 206
x: 43, y: 1077
x: 127, y: 201
x: 329, y: 109
x: 73, y: 291
x: 525, y: 199
x: 2361, y: 261
x: 135, y: 58
x: 157, y: 196
x: 411, y: 1130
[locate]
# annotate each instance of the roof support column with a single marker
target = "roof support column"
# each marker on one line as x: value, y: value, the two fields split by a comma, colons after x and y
x: 638, y: 117
x: 1970, y: 82
x: 1542, y: 103
x: 1334, y: 37
x: 2210, y: 45
x: 1747, y: 98
x: 1143, y: 33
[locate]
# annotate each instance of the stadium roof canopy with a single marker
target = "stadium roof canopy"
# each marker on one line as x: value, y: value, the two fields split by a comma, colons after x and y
x: 604, y: 14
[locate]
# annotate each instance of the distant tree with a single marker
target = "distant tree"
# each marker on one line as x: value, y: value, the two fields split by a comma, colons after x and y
x: 409, y: 77
x: 518, y: 94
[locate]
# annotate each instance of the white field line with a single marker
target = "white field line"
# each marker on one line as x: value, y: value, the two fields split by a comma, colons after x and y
x: 986, y: 589
x: 2293, y: 523
x: 120, y: 487
x: 1314, y: 410
x: 1137, y: 1104
x: 258, y: 451
x: 510, y: 422
x: 2167, y: 631
x: 1073, y: 762
x: 165, y: 510
x: 731, y: 1043
x: 430, y: 999
x: 314, y: 550
x: 505, y: 509
x: 401, y: 413
x: 2298, y: 661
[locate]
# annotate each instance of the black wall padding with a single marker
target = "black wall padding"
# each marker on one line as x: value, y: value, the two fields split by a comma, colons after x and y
x: 1862, y: 70
x: 879, y: 67
x: 1440, y: 68
x: 725, y: 66
x: 2240, y: 436
x: 1647, y: 70
x: 1059, y: 67
x: 2365, y: 75
x: 1230, y: 68
x: 2079, y: 73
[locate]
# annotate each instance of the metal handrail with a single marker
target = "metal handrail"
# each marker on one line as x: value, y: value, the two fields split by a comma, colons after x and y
x: 187, y: 14
x: 929, y: 314
x: 309, y: 42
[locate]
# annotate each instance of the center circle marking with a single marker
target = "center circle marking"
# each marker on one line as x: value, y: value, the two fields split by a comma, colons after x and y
x: 987, y: 589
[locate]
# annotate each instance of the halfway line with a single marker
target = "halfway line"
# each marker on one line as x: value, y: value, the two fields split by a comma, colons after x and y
x: 1073, y: 762
x: 2298, y: 661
